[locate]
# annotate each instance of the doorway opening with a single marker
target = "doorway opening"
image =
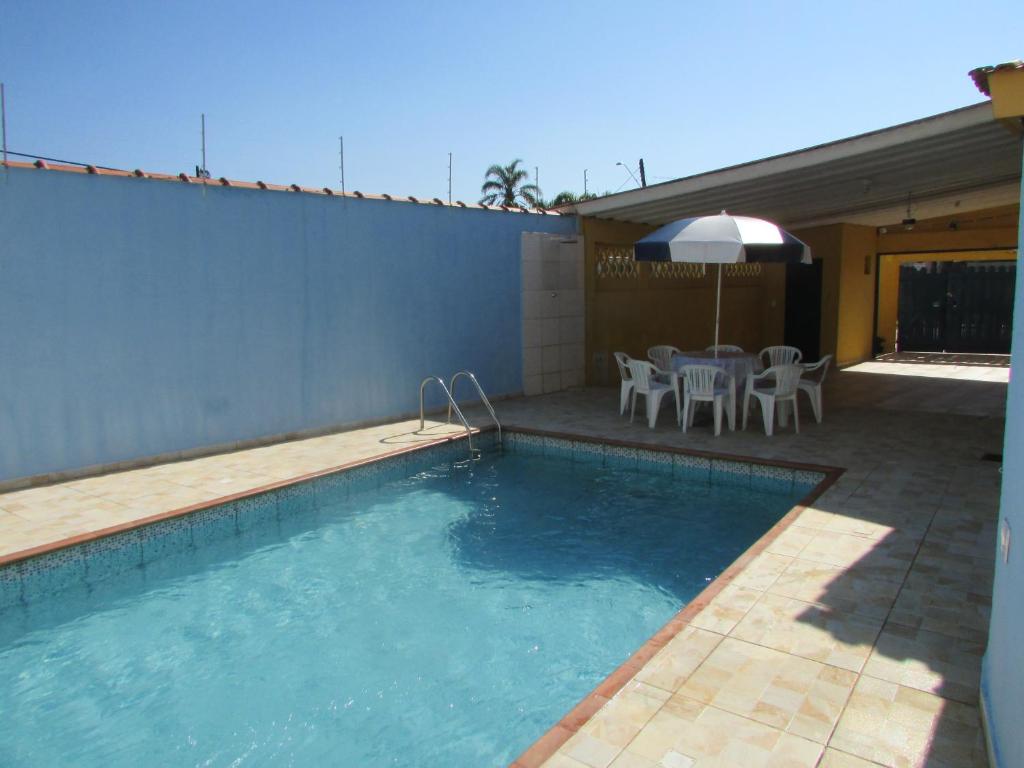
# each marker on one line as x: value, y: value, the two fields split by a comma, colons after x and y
x: 956, y: 306
x: 803, y: 309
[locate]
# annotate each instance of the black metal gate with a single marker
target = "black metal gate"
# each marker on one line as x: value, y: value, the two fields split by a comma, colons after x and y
x: 956, y: 306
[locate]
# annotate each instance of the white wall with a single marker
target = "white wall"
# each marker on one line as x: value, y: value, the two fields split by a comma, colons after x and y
x: 1002, y: 676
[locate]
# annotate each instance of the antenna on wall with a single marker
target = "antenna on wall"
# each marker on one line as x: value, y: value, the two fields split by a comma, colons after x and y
x: 201, y: 171
x: 341, y: 162
x: 585, y: 181
x: 3, y: 122
x: 449, y: 178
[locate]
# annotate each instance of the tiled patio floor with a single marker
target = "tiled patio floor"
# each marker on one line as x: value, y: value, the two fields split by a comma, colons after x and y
x: 854, y: 639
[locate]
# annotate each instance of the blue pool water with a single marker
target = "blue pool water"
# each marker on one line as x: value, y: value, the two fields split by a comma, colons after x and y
x: 447, y: 619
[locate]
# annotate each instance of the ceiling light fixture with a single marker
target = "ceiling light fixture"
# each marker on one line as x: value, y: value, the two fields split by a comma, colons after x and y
x: 910, y: 221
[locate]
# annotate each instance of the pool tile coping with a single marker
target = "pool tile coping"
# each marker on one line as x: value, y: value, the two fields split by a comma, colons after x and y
x: 549, y: 743
x: 149, y: 520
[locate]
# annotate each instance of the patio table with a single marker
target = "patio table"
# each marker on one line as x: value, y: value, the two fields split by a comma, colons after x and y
x: 739, y: 365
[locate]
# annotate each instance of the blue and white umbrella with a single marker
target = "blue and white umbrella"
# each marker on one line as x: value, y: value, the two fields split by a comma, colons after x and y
x: 722, y: 239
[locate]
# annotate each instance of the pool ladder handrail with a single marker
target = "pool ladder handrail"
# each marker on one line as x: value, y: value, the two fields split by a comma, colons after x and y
x: 480, y: 391
x: 451, y: 404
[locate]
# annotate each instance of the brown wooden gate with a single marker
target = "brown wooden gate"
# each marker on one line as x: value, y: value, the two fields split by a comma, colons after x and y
x: 956, y: 306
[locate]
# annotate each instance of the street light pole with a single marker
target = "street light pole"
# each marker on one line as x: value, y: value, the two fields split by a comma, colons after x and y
x: 630, y: 173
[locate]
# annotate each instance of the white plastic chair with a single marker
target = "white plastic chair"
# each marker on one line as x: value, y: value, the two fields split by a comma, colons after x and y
x: 723, y: 348
x: 810, y: 382
x: 787, y: 379
x: 622, y: 360
x: 661, y: 356
x: 653, y: 390
x: 780, y: 356
x: 699, y: 387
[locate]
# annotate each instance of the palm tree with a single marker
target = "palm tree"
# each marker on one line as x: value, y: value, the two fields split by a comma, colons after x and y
x: 567, y: 198
x: 503, y: 185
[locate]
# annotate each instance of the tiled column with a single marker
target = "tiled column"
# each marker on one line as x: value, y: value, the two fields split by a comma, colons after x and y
x: 552, y: 301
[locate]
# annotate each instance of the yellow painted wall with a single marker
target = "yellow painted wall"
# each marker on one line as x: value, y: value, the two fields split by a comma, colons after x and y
x: 889, y: 282
x: 1007, y: 88
x: 856, y: 295
x: 630, y: 315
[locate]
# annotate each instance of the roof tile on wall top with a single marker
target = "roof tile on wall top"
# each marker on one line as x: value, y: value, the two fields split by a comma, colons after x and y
x: 95, y: 170
x: 980, y: 74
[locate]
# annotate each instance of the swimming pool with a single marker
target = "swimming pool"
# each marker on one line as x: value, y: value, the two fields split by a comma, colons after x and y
x: 419, y: 611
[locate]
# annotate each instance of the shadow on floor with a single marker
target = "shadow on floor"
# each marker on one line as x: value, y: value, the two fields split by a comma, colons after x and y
x: 921, y: 593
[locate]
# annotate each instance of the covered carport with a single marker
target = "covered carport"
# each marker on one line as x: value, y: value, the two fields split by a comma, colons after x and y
x: 941, y: 189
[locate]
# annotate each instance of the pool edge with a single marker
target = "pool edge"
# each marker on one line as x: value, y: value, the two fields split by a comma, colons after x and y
x: 143, y: 522
x: 549, y: 743
x: 558, y: 734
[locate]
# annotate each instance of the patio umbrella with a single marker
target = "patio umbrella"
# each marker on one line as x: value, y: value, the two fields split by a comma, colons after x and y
x: 722, y: 239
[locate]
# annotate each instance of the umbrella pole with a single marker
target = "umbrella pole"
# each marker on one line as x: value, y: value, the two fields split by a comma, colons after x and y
x: 718, y: 307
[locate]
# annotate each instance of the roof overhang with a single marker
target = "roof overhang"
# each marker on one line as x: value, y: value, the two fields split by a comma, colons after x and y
x: 953, y: 162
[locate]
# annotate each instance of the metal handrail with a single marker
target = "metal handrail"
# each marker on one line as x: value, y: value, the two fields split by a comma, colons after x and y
x: 451, y: 403
x: 480, y: 391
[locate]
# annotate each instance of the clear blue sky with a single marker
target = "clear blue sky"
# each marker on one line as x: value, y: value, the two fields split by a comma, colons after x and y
x: 563, y: 85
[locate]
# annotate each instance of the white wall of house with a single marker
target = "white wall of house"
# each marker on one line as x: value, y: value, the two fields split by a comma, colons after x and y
x: 1002, y: 679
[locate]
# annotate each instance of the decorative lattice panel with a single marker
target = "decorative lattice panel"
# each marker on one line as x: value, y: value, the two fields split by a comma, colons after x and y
x: 616, y: 261
x: 674, y: 269
x: 742, y: 270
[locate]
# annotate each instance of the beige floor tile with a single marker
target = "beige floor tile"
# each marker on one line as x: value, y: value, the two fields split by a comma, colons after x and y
x: 791, y: 541
x: 898, y: 726
x: 726, y: 609
x: 815, y: 517
x: 87, y: 506
x: 618, y: 721
x: 559, y: 760
x: 970, y: 574
x: 876, y: 524
x: 630, y: 760
x: 833, y: 758
x: 591, y: 751
x: 711, y: 737
x: 31, y: 497
x: 674, y: 663
x: 787, y: 692
x: 846, y: 550
x: 762, y: 571
x: 927, y: 661
x: 946, y: 610
x: 861, y: 590
x: 807, y: 630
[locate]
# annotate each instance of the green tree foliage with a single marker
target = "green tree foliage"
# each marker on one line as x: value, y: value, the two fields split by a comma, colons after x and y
x: 505, y: 185
x: 567, y: 198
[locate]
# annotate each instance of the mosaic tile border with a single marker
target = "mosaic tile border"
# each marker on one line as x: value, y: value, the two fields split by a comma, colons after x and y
x: 82, y: 561
x: 85, y: 560
x: 712, y: 469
